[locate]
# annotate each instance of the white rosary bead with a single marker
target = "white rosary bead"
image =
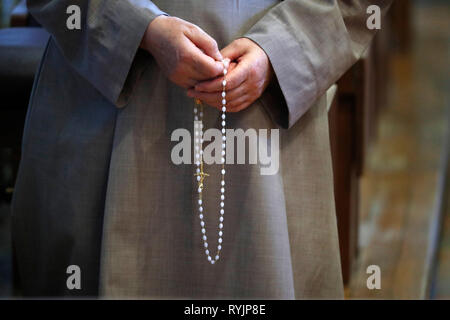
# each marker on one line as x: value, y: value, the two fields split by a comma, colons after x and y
x: 198, y: 116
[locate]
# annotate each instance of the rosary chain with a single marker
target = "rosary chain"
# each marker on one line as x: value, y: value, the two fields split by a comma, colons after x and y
x: 201, y: 175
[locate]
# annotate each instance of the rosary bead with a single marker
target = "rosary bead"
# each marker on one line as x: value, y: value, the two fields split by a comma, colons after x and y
x: 198, y: 114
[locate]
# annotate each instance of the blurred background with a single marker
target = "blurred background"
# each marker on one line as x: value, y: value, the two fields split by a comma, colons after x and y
x: 389, y: 133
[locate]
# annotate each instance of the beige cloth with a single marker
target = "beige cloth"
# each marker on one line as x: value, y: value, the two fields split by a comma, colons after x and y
x: 84, y: 159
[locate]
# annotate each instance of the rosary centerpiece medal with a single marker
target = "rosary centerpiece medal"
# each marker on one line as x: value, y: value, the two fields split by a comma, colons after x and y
x: 201, y: 174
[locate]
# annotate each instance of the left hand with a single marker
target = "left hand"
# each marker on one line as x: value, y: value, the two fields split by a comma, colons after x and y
x: 245, y: 82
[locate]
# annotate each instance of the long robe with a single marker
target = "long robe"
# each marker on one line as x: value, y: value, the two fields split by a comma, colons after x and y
x: 97, y: 187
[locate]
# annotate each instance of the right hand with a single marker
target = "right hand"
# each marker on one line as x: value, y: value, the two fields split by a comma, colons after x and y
x: 185, y: 53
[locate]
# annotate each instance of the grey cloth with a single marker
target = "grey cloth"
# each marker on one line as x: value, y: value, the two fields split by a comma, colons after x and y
x: 97, y: 188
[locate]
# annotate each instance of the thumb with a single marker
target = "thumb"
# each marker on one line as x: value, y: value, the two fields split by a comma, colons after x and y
x: 205, y: 42
x: 234, y: 50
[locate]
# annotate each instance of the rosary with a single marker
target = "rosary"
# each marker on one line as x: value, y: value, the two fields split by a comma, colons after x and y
x: 201, y: 175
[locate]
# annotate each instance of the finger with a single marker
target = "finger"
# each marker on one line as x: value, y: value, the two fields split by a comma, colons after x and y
x: 204, y: 41
x: 233, y: 79
x: 239, y: 104
x: 217, y: 96
x: 201, y: 68
x: 234, y: 50
x: 216, y: 84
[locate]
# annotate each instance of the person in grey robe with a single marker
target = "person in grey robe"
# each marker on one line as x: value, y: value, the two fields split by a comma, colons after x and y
x: 97, y: 187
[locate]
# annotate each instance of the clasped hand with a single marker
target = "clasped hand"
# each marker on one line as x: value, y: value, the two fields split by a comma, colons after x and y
x: 190, y: 58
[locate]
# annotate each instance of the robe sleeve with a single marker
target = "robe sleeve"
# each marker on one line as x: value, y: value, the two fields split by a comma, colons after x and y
x: 310, y: 45
x: 104, y: 50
